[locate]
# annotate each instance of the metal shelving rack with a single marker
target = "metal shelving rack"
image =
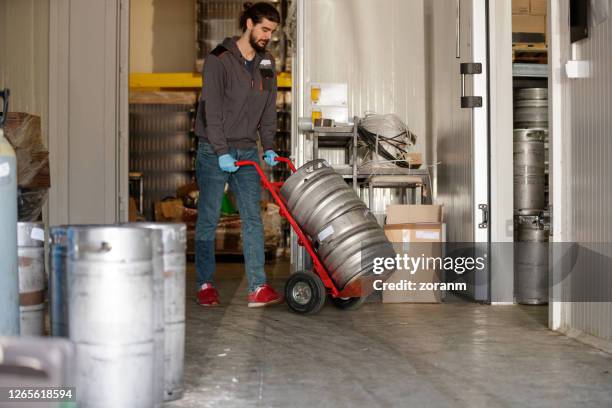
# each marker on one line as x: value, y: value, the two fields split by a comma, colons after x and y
x: 347, y: 137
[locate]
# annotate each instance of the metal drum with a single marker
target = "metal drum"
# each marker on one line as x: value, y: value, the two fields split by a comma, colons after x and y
x: 174, y: 240
x: 58, y: 310
x: 158, y: 316
x: 531, y: 263
x: 348, y: 245
x: 531, y: 94
x: 316, y: 195
x: 111, y: 315
x: 531, y: 108
x: 529, y: 171
x: 30, y: 249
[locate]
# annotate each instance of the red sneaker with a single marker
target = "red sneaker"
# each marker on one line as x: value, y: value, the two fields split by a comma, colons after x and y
x: 208, y: 296
x: 264, y: 296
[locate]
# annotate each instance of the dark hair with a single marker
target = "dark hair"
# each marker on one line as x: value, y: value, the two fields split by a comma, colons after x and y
x: 257, y: 12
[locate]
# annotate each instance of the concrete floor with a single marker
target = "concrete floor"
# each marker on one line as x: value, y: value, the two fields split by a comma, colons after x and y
x: 448, y: 355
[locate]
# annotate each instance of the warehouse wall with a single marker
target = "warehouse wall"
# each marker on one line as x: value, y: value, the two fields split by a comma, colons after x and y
x: 377, y: 47
x: 162, y: 36
x: 24, y: 56
x: 582, y: 191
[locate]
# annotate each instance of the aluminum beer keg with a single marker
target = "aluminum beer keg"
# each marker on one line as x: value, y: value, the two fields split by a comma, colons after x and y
x: 531, y: 108
x: 531, y: 262
x: 316, y: 195
x: 111, y: 315
x: 348, y: 245
x: 58, y: 295
x: 529, y: 171
x: 174, y: 240
x: 158, y: 316
x: 30, y: 250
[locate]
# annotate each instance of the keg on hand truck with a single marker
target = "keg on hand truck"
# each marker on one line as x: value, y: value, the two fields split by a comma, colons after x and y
x: 337, y: 230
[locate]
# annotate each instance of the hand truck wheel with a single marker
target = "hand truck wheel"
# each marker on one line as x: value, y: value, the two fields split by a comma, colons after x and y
x: 350, y: 303
x: 304, y: 292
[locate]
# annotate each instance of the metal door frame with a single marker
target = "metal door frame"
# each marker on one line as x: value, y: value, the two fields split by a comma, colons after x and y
x: 481, y: 143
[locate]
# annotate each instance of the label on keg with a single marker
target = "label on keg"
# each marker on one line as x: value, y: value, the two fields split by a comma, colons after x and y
x: 37, y: 234
x: 5, y: 170
x: 325, y: 233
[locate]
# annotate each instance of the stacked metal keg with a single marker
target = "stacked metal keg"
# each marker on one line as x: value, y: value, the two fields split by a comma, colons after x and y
x: 344, y: 232
x: 531, y: 195
x: 32, y: 279
x: 118, y: 292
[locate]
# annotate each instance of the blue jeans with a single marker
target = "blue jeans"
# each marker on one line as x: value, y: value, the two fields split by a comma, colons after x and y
x: 246, y: 186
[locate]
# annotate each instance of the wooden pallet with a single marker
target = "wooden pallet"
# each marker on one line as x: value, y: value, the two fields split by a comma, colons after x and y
x: 535, y: 53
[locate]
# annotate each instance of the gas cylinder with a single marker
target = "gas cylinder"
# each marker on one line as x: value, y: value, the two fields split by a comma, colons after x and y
x: 9, y: 278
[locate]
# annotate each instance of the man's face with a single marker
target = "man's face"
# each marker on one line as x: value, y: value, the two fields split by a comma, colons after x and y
x: 261, y: 33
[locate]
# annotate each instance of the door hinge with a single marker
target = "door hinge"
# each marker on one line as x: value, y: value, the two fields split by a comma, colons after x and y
x: 470, y: 68
x: 485, y: 216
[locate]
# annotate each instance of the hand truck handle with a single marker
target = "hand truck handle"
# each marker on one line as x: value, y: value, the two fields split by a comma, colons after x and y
x: 288, y: 162
x: 285, y: 160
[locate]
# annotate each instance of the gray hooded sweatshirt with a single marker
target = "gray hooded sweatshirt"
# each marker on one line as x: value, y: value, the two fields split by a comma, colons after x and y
x: 237, y: 104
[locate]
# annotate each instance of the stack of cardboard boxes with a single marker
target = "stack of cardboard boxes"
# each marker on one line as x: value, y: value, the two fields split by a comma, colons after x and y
x: 417, y: 231
x: 529, y: 21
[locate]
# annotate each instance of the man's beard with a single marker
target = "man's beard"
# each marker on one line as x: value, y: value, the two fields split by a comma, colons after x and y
x: 255, y: 45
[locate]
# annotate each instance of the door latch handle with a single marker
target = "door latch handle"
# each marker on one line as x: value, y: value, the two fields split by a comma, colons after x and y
x: 470, y: 68
x: 485, y: 216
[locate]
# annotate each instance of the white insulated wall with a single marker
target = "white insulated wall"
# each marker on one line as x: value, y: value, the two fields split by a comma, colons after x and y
x: 162, y: 36
x: 582, y: 133
x: 24, y: 56
x: 377, y: 47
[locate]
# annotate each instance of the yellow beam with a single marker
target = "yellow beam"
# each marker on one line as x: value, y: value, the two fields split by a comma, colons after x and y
x: 188, y: 80
x: 284, y: 80
x: 183, y: 80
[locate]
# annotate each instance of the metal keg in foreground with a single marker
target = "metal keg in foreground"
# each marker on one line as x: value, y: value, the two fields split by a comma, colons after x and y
x: 316, y: 195
x: 158, y: 316
x: 111, y: 315
x: 30, y: 250
x: 531, y: 262
x: 529, y: 171
x: 531, y: 108
x: 58, y: 296
x: 348, y: 245
x: 174, y: 240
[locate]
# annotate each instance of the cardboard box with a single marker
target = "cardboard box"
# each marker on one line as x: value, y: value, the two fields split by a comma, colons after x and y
x: 415, y: 240
x: 416, y: 231
x: 415, y: 160
x: 169, y: 211
x: 133, y: 210
x: 520, y: 7
x: 528, y: 24
x: 407, y: 214
x: 538, y: 7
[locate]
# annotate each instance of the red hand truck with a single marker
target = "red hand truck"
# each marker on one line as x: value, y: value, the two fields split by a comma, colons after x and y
x: 305, y: 291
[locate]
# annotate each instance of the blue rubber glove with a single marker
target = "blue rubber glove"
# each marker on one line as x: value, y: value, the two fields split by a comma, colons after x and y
x: 270, y: 157
x: 227, y: 163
